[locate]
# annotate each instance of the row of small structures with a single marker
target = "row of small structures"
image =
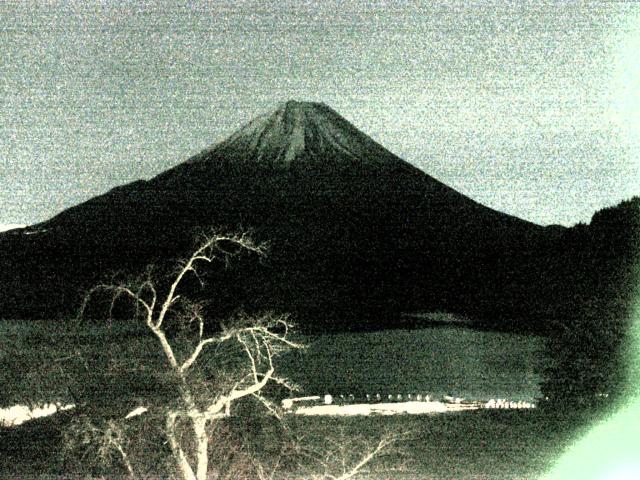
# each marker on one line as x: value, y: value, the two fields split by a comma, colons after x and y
x: 503, y: 403
x: 317, y: 405
x: 454, y: 403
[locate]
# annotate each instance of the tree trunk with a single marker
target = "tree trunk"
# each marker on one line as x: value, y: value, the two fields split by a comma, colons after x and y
x: 182, y: 465
x: 202, y: 453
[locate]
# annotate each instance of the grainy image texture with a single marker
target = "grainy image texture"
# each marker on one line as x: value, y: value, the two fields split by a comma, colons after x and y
x: 319, y: 239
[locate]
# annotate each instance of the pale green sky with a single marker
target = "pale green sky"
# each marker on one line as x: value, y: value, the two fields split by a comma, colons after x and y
x: 532, y: 108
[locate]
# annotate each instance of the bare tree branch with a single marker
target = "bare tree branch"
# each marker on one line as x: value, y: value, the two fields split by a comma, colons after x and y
x: 196, y: 352
x: 336, y: 459
x: 207, y: 252
x: 259, y: 339
x: 366, y: 458
x: 254, y: 370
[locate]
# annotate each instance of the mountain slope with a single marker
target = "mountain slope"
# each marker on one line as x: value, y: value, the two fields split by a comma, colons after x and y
x: 357, y: 233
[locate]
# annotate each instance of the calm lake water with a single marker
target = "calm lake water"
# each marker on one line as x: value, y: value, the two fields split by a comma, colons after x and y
x: 443, y: 360
x: 446, y: 360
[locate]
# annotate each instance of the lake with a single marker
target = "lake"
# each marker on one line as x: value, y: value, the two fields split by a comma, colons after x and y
x: 445, y: 360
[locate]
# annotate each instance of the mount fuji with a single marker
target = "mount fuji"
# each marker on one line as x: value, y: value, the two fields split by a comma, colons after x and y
x: 357, y: 234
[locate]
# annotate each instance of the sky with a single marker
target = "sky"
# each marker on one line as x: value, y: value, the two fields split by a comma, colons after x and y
x: 529, y: 107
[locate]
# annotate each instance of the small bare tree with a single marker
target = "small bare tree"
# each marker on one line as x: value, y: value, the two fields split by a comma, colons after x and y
x: 258, y: 340
x: 343, y: 456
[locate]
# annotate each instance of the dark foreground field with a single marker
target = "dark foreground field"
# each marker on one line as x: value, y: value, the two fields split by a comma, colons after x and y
x: 480, y: 444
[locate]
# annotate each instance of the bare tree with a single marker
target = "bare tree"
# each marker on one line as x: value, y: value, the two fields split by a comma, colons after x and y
x: 259, y: 340
x: 351, y: 470
x: 208, y: 373
x: 343, y: 456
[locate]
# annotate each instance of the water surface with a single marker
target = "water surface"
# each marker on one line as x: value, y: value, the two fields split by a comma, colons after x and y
x: 448, y: 360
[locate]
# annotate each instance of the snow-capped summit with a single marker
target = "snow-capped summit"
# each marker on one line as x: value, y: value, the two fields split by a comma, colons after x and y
x: 300, y: 132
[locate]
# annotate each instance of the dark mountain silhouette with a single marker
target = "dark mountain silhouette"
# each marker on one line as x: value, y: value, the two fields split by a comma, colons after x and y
x: 356, y: 234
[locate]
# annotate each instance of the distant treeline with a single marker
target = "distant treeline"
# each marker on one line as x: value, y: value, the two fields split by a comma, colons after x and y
x: 589, y: 333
